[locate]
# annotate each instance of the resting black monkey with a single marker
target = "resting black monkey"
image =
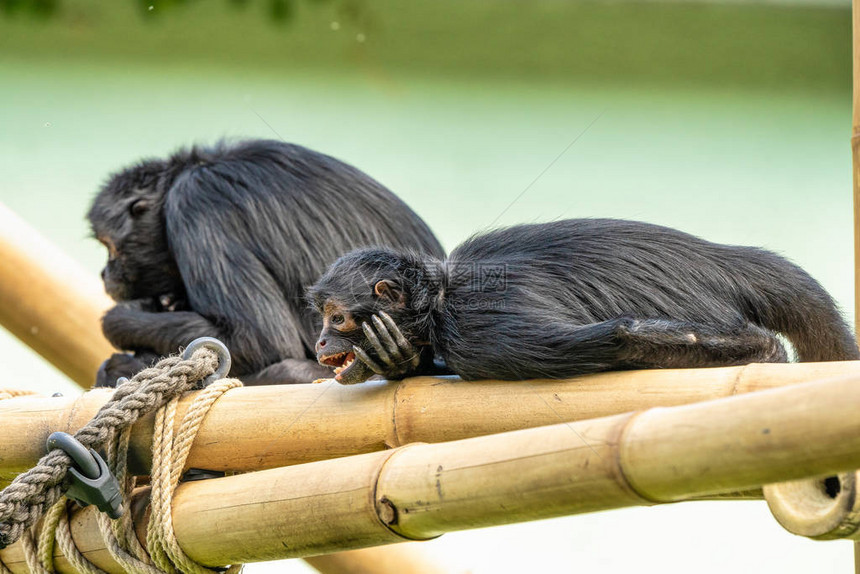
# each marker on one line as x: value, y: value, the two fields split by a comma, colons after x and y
x: 571, y: 297
x: 226, y: 239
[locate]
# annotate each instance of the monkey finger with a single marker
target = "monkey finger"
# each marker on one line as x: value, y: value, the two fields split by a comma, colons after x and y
x: 387, y: 340
x: 395, y: 331
x: 377, y: 345
x: 365, y: 358
x: 414, y: 358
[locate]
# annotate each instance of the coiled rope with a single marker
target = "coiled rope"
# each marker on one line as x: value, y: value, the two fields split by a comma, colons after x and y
x: 37, y: 492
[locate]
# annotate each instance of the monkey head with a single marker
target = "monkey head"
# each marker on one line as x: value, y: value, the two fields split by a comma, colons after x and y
x: 355, y: 288
x: 342, y: 331
x: 127, y: 217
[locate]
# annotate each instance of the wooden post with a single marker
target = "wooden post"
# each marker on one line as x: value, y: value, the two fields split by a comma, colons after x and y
x: 49, y: 302
x: 855, y: 158
x: 855, y: 155
x: 828, y: 507
x: 420, y: 491
x: 280, y: 425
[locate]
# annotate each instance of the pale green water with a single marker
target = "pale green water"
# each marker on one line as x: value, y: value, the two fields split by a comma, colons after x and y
x: 769, y: 169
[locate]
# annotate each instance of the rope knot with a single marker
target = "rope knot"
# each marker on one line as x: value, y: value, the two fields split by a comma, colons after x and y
x: 32, y: 493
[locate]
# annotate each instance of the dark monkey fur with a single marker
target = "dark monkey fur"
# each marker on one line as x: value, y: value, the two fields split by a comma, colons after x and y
x: 223, y: 241
x: 580, y: 296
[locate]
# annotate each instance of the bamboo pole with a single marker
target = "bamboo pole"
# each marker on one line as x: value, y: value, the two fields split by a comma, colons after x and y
x: 420, y: 491
x: 855, y: 155
x: 49, y: 302
x: 855, y: 159
x: 264, y: 427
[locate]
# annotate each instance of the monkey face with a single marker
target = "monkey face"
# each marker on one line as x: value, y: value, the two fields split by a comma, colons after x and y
x: 341, y: 332
x: 126, y: 217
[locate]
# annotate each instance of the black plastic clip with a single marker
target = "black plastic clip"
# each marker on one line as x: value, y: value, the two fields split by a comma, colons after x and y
x: 92, y: 481
x: 220, y: 349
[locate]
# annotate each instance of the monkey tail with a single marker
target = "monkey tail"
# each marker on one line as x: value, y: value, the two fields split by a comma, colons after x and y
x: 786, y: 299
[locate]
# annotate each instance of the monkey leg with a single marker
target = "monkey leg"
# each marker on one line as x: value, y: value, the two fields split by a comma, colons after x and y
x: 658, y: 343
x: 116, y: 366
x: 556, y: 349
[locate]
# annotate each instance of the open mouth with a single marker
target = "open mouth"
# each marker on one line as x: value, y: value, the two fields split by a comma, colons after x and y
x: 341, y: 363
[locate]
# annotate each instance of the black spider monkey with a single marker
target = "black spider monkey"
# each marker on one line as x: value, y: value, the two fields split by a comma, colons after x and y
x: 222, y: 241
x: 568, y: 298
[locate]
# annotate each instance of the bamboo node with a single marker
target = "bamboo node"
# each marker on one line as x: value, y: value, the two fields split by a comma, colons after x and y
x: 387, y: 511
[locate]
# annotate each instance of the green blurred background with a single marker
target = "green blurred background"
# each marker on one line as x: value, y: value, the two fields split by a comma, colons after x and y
x: 728, y: 120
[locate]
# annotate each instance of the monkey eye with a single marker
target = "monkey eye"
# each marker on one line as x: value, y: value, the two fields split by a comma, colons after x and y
x: 138, y: 207
x: 337, y: 319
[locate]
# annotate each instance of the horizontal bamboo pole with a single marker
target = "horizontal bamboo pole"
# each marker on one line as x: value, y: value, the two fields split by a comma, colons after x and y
x: 49, y: 302
x: 420, y: 491
x: 264, y: 427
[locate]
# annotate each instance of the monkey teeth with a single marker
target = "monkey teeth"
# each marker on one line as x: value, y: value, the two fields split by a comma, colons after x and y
x: 340, y: 362
x: 345, y: 365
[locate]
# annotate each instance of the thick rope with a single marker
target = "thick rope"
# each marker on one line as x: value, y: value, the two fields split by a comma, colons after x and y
x: 63, y: 539
x: 31, y: 553
x: 167, y: 465
x: 119, y: 535
x: 169, y: 456
x: 32, y: 558
x: 32, y: 493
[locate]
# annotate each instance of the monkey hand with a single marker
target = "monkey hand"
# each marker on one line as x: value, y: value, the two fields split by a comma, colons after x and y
x: 118, y: 365
x: 148, y: 305
x: 121, y: 323
x: 169, y: 302
x: 397, y: 356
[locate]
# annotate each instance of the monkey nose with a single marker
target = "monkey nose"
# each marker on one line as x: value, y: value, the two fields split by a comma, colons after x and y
x: 320, y: 345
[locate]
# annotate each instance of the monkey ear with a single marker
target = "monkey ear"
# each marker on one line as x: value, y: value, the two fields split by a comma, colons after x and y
x: 386, y: 289
x: 137, y: 207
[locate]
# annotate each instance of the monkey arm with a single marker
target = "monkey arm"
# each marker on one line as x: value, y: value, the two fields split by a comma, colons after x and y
x: 557, y: 349
x: 127, y: 326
